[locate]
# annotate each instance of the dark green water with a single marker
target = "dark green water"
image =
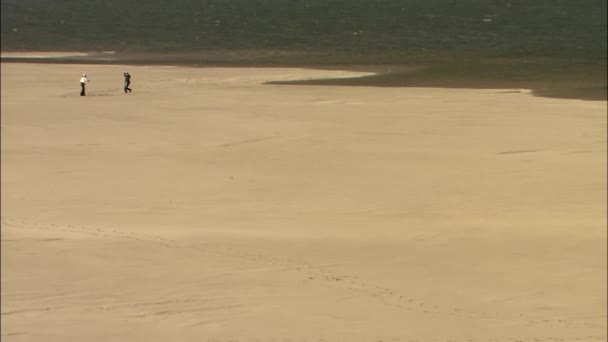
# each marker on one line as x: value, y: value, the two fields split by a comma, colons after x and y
x: 493, y: 27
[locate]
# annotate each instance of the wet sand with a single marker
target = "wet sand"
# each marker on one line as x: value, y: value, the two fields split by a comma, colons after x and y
x: 208, y: 205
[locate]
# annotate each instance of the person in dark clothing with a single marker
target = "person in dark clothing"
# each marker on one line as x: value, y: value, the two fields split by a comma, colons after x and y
x: 127, y: 82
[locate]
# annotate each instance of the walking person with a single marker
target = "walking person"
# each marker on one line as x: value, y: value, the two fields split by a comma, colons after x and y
x: 127, y: 82
x: 83, y: 81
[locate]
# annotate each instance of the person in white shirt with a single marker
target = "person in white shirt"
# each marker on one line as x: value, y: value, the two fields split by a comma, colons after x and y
x: 83, y: 81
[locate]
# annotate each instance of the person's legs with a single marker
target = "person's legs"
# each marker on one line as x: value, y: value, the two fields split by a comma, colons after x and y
x: 81, y: 89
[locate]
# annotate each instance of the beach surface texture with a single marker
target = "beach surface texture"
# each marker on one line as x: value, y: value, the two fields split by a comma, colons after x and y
x: 209, y: 205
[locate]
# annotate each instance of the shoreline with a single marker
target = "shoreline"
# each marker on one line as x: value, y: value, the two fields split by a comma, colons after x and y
x: 42, y: 54
x: 545, y: 77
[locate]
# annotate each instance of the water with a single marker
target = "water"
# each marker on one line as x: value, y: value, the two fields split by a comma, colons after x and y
x: 575, y: 28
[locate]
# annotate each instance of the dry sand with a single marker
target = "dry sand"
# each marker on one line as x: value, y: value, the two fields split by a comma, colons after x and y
x: 42, y: 54
x: 207, y: 206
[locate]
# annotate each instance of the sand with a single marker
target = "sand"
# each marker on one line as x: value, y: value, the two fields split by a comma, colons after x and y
x: 41, y: 54
x: 208, y: 206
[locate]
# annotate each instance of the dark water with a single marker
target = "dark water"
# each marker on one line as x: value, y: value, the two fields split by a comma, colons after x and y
x: 541, y: 42
x: 494, y: 27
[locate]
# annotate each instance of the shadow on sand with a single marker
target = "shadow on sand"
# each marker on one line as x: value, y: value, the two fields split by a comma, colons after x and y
x: 557, y: 79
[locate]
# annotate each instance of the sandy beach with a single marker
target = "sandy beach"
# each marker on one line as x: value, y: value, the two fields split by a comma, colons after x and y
x: 209, y: 206
x: 41, y: 54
